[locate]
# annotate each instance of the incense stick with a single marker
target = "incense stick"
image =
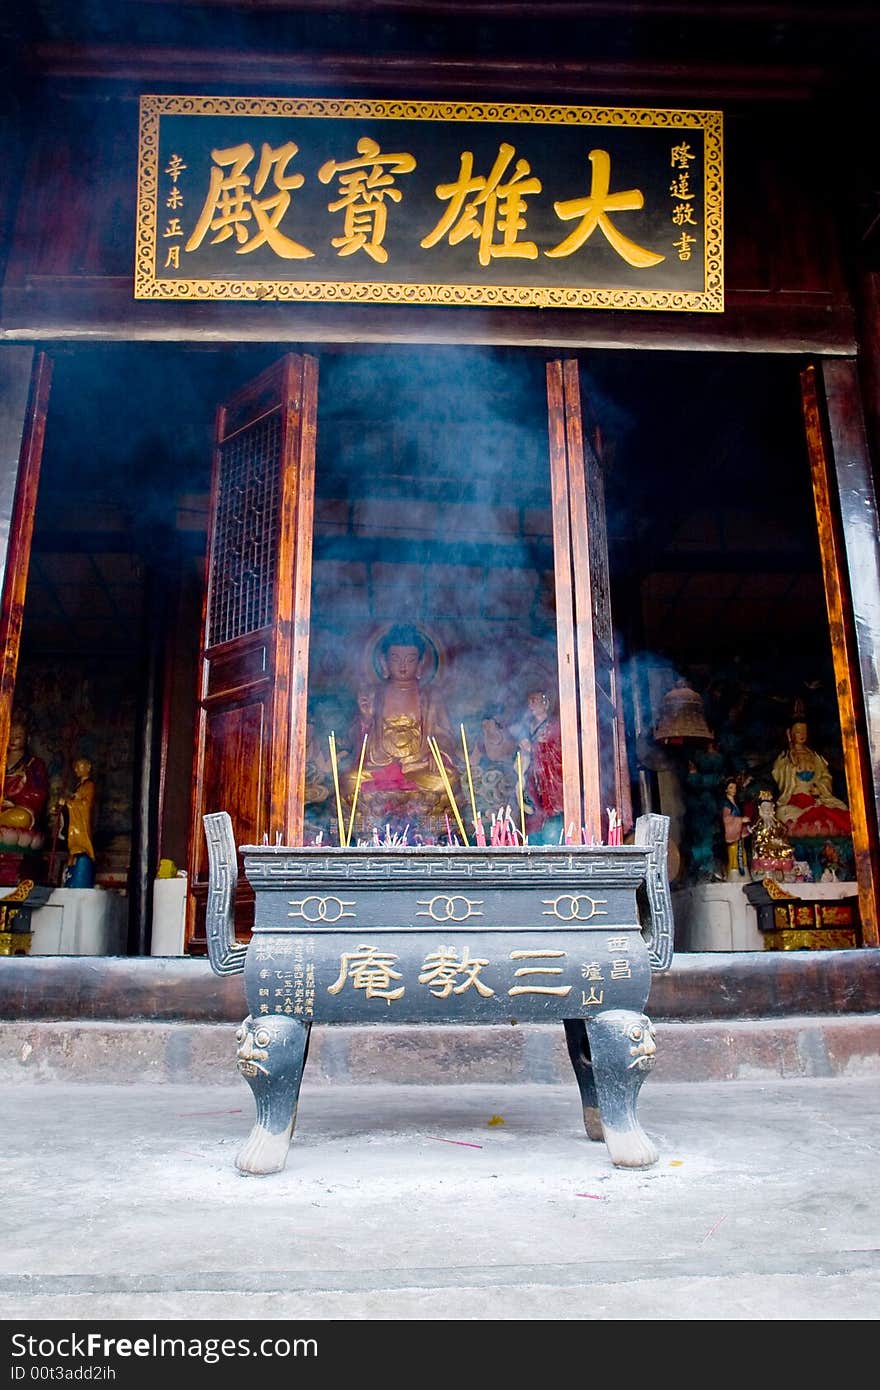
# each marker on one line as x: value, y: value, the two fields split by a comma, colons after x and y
x: 467, y: 763
x: 438, y: 758
x: 441, y: 767
x: 357, y: 787
x: 343, y: 841
x: 522, y: 804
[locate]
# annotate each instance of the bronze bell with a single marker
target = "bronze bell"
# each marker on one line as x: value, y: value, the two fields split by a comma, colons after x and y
x: 682, y: 717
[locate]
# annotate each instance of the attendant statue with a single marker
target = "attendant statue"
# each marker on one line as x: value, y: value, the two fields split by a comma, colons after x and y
x: 832, y: 868
x: 493, y: 763
x: 540, y: 745
x: 318, y: 779
x: 366, y: 709
x: 362, y: 723
x: 79, y: 809
x: 399, y: 715
x: 806, y: 804
x: 736, y: 829
x: 25, y: 793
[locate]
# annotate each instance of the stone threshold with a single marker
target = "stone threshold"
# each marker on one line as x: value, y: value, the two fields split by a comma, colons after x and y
x: 95, y: 1052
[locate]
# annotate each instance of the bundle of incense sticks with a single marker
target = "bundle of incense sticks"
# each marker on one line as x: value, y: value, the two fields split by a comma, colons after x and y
x: 390, y: 840
x: 503, y: 831
x: 615, y: 826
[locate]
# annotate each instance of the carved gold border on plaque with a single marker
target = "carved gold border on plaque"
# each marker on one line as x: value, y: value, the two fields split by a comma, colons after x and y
x: 147, y: 285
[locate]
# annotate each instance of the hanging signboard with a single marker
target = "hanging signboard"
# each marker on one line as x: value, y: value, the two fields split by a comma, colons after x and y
x: 400, y: 202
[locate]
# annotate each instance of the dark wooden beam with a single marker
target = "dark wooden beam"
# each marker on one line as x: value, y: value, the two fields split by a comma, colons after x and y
x: 553, y: 79
x: 735, y: 13
x: 46, y: 308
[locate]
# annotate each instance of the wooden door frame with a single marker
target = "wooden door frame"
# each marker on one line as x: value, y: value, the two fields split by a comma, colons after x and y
x: 564, y: 585
x: 20, y: 487
x: 266, y: 666
x: 574, y: 552
x: 849, y: 545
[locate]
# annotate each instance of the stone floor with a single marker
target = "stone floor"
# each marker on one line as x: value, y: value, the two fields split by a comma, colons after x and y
x: 443, y: 1202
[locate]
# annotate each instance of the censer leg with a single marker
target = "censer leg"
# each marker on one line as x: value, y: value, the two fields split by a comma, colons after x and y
x: 271, y: 1058
x: 623, y: 1052
x: 579, y: 1052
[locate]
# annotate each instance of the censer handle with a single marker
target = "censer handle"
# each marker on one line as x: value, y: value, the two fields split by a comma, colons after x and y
x: 226, y: 955
x: 652, y: 832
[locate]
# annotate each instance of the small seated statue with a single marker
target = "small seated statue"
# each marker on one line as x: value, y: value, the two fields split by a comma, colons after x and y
x: 772, y: 852
x: 806, y: 803
x: 400, y: 776
x: 25, y: 793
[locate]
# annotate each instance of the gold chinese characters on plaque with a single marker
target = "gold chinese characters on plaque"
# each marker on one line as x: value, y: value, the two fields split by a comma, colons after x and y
x: 255, y: 198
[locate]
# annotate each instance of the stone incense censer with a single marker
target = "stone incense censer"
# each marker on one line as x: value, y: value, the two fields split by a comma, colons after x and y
x: 514, y: 934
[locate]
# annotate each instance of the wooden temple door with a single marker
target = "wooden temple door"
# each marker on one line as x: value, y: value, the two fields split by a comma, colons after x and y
x: 22, y: 377
x: 593, y: 750
x: 251, y: 718
x: 849, y: 546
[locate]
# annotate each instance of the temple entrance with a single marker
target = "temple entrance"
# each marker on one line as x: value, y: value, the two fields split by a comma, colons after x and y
x: 440, y: 567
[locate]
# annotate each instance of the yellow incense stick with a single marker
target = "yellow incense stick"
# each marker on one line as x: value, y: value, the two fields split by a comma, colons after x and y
x: 522, y: 804
x: 333, y: 763
x: 441, y: 767
x: 467, y: 763
x: 357, y: 787
x: 444, y: 777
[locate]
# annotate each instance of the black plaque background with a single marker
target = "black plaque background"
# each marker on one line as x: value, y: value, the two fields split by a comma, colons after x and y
x: 557, y: 154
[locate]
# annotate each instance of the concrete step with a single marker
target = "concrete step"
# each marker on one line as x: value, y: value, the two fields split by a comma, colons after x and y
x: 807, y: 1045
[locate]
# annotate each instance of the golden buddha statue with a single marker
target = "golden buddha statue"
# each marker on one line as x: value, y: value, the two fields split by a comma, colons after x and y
x: 398, y: 716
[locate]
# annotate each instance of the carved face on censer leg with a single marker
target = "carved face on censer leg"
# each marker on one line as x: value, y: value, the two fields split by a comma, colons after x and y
x: 253, y: 1047
x: 643, y: 1049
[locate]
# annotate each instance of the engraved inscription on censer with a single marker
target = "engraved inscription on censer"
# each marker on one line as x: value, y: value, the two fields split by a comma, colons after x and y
x: 286, y: 978
x: 289, y: 978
